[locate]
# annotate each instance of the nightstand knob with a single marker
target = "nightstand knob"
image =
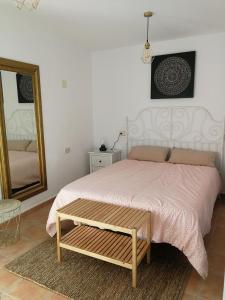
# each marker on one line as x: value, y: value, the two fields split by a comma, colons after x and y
x: 100, y: 161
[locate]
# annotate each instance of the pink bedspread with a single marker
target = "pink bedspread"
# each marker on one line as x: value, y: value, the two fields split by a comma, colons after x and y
x: 180, y: 197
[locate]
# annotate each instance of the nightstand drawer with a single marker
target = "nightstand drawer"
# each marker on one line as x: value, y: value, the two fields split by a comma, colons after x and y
x: 100, y: 160
x: 94, y: 168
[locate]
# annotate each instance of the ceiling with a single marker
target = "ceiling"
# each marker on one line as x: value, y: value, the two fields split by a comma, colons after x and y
x: 103, y: 24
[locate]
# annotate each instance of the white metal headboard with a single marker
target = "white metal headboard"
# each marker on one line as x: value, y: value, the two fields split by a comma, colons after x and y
x: 21, y: 125
x: 184, y: 127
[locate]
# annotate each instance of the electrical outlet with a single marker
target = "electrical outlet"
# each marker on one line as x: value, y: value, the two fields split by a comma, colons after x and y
x: 123, y: 132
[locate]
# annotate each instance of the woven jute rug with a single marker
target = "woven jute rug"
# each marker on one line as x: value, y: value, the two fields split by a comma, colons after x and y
x: 81, y: 277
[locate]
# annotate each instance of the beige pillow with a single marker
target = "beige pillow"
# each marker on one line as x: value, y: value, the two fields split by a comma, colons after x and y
x: 17, y: 145
x: 149, y: 153
x: 32, y: 147
x: 193, y: 157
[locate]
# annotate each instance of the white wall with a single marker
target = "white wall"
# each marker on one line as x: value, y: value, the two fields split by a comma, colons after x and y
x: 121, y: 82
x: 67, y: 113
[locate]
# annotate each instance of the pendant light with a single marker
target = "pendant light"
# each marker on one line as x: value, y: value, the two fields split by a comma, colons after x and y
x: 146, y: 58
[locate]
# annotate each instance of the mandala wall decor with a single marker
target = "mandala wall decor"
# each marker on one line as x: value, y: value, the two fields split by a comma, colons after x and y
x: 173, y: 75
x: 24, y: 88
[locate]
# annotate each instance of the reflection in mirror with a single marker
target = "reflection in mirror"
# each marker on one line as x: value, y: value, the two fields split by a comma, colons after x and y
x: 21, y: 132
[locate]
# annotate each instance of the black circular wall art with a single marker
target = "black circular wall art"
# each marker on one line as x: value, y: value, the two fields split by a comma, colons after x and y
x: 25, y: 88
x: 173, y: 76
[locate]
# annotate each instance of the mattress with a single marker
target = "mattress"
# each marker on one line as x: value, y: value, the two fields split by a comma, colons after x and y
x: 180, y: 197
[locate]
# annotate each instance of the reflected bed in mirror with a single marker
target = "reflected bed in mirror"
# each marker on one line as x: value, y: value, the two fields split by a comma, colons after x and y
x: 22, y: 150
x: 22, y: 161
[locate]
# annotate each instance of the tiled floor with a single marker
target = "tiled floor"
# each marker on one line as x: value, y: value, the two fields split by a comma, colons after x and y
x: 33, y: 233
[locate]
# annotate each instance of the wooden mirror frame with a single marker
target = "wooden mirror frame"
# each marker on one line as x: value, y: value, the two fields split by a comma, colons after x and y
x: 33, y: 70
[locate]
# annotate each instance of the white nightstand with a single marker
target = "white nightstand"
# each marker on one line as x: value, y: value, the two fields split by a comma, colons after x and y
x: 100, y: 159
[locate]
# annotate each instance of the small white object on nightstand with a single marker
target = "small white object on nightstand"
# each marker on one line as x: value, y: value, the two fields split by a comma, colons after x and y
x: 102, y: 159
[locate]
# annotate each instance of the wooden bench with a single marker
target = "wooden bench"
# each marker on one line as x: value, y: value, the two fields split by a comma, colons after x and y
x: 99, y: 234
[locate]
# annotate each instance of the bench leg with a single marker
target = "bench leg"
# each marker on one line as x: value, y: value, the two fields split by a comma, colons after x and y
x: 58, y: 229
x: 134, y: 258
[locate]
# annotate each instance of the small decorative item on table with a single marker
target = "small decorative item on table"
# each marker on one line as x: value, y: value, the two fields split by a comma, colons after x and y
x: 9, y: 221
x: 102, y: 147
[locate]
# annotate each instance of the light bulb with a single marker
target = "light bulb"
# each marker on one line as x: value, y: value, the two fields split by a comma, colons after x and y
x: 146, y: 58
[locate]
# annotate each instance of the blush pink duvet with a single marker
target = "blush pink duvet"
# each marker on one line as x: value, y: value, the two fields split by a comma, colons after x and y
x: 180, y: 197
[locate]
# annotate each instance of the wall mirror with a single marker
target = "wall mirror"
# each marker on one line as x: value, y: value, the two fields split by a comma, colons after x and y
x: 22, y: 154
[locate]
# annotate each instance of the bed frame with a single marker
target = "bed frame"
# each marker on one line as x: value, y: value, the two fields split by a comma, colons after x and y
x: 190, y: 127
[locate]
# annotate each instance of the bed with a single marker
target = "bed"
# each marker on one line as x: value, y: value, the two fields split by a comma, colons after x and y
x: 180, y: 197
x: 22, y: 149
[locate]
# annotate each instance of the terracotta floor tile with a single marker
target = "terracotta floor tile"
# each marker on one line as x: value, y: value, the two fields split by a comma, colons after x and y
x: 30, y: 222
x: 26, y: 290
x: 25, y: 222
x: 216, y: 263
x: 217, y: 240
x: 52, y: 296
x: 7, y: 280
x: 4, y: 296
x: 194, y: 284
x: 221, y: 223
x: 34, y: 232
x: 39, y: 214
x: 4, y: 260
x: 213, y: 287
x: 219, y: 216
x: 17, y: 249
x: 187, y: 296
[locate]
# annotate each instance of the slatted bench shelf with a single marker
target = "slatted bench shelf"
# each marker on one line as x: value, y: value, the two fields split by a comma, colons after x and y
x: 110, y: 246
x: 105, y: 245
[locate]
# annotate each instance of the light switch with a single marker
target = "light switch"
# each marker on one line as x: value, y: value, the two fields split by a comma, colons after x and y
x: 64, y: 84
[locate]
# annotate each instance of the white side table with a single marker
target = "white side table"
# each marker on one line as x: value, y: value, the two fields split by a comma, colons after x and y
x: 98, y: 159
x: 9, y: 221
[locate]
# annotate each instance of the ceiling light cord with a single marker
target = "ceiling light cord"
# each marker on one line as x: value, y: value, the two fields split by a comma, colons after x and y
x: 147, y: 27
x: 147, y: 56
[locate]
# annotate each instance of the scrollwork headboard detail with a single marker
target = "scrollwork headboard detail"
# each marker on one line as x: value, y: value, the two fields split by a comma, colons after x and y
x: 21, y: 125
x: 184, y: 127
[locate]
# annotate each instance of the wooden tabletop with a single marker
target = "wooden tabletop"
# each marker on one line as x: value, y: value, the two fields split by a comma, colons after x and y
x: 106, y: 213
